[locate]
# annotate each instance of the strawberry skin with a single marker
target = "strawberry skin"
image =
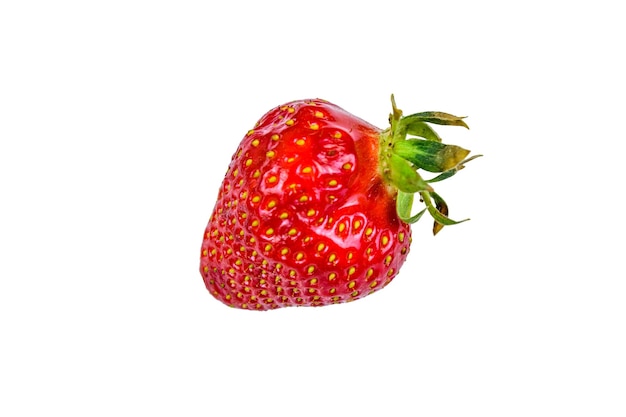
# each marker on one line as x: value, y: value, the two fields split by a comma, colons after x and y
x: 306, y: 214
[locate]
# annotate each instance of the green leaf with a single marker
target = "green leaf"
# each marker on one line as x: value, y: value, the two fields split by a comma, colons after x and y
x: 439, y: 118
x: 447, y: 174
x: 405, y: 177
x: 439, y: 217
x: 421, y: 129
x: 429, y: 155
x: 404, y: 204
x: 442, y: 207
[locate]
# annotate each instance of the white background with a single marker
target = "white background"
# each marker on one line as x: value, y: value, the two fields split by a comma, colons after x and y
x: 118, y: 120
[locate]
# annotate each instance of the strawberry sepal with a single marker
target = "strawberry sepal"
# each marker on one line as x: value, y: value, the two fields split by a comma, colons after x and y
x: 410, y: 144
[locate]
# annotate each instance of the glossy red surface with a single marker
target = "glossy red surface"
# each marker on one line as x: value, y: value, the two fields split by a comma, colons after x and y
x: 303, y: 216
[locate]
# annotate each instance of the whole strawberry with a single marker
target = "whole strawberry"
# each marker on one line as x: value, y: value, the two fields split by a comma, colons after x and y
x: 316, y: 204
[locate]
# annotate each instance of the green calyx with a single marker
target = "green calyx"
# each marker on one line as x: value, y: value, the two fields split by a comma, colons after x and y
x: 410, y: 145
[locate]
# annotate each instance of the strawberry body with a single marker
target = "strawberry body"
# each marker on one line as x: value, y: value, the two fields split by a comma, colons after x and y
x: 305, y: 215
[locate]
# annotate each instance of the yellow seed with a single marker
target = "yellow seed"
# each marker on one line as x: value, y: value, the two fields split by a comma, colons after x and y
x: 352, y: 270
x: 388, y: 260
x: 319, y: 114
x: 368, y: 231
x: 307, y: 170
x: 310, y: 269
x: 310, y: 213
x: 256, y: 174
x: 228, y: 297
x: 332, y: 258
x: 275, y: 137
x: 401, y: 237
x: 313, y: 281
x: 292, y: 274
x: 235, y: 172
x: 332, y: 183
x: 264, y: 292
x: 369, y: 273
x: 351, y: 284
x: 333, y: 290
x: 354, y: 293
x: 284, y: 251
x: 292, y: 232
x: 269, y: 231
x: 271, y: 204
x: 270, y: 154
x: 314, y: 126
x: 342, y: 227
x: 320, y: 247
x: 337, y: 135
x: 299, y: 256
x: 332, y: 276
x: 284, y: 215
x: 304, y: 198
x: 255, y: 223
x: 268, y: 247
x: 251, y: 131
x: 255, y: 142
x: 256, y: 199
x: 289, y: 122
x: 390, y: 272
x: 290, y: 109
x: 357, y: 224
x: 272, y: 179
x: 347, y: 166
x: 385, y: 240
x: 311, y: 290
x: 300, y: 142
x: 373, y: 284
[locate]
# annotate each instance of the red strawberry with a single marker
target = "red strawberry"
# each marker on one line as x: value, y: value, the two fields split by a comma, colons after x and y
x: 315, y: 206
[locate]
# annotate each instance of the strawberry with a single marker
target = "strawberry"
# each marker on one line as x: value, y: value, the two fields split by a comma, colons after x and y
x: 315, y: 207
